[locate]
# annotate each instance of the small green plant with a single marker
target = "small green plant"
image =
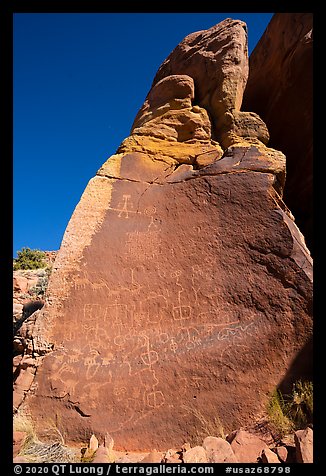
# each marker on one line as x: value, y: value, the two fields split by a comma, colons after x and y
x: 293, y: 411
x: 29, y: 259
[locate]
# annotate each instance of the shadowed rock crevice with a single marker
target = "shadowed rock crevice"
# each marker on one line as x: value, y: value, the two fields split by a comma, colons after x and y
x: 300, y: 368
x: 280, y: 90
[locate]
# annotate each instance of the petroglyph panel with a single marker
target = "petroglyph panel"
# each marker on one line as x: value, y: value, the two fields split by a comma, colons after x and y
x: 166, y: 308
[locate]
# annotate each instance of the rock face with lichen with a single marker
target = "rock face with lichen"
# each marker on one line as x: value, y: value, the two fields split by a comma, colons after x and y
x: 182, y: 289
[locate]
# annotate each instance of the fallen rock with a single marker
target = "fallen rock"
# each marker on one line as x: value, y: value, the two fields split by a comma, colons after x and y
x: 263, y: 254
x: 20, y: 459
x: 288, y: 443
x: 32, y: 282
x: 288, y: 440
x: 103, y: 455
x: 218, y: 450
x: 173, y: 460
x: 27, y: 361
x: 18, y: 345
x: 174, y: 456
x: 304, y: 445
x: 246, y: 447
x: 153, y: 457
x: 185, y: 447
x: 268, y: 456
x: 93, y: 443
x: 19, y: 438
x: 282, y: 453
x: 195, y: 455
x: 108, y: 441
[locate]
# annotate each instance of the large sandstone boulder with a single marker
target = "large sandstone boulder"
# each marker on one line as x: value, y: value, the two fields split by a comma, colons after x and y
x: 247, y: 448
x: 195, y: 455
x: 219, y: 450
x: 304, y: 445
x: 280, y: 90
x: 182, y: 289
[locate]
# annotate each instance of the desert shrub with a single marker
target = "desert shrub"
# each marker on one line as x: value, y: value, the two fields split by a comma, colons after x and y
x: 29, y: 259
x: 40, y: 288
x: 300, y: 405
x: 292, y: 411
x: 204, y: 426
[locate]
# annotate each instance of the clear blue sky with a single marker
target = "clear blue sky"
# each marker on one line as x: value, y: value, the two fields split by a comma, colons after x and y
x: 79, y: 80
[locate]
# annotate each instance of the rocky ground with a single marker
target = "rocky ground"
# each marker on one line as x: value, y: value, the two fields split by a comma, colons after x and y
x: 240, y: 446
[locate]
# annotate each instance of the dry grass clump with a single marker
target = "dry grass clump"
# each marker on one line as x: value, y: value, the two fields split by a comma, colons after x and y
x: 206, y: 427
x: 36, y: 451
x: 22, y: 423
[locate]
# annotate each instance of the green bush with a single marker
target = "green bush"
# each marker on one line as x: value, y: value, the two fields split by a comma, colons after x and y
x: 40, y: 288
x: 29, y: 259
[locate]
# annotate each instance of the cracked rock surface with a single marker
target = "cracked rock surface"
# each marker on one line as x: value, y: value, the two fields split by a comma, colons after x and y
x: 182, y: 290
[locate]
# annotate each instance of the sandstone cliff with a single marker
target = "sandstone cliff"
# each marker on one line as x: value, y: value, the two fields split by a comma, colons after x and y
x: 280, y: 90
x: 182, y: 289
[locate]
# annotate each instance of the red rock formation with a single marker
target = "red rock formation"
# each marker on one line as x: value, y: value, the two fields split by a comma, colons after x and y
x: 217, y: 61
x: 247, y: 448
x: 219, y: 450
x: 304, y: 445
x: 269, y: 456
x: 182, y: 288
x: 279, y: 89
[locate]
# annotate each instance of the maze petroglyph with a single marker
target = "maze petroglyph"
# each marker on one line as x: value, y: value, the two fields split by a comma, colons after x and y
x: 150, y: 315
x: 135, y: 354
